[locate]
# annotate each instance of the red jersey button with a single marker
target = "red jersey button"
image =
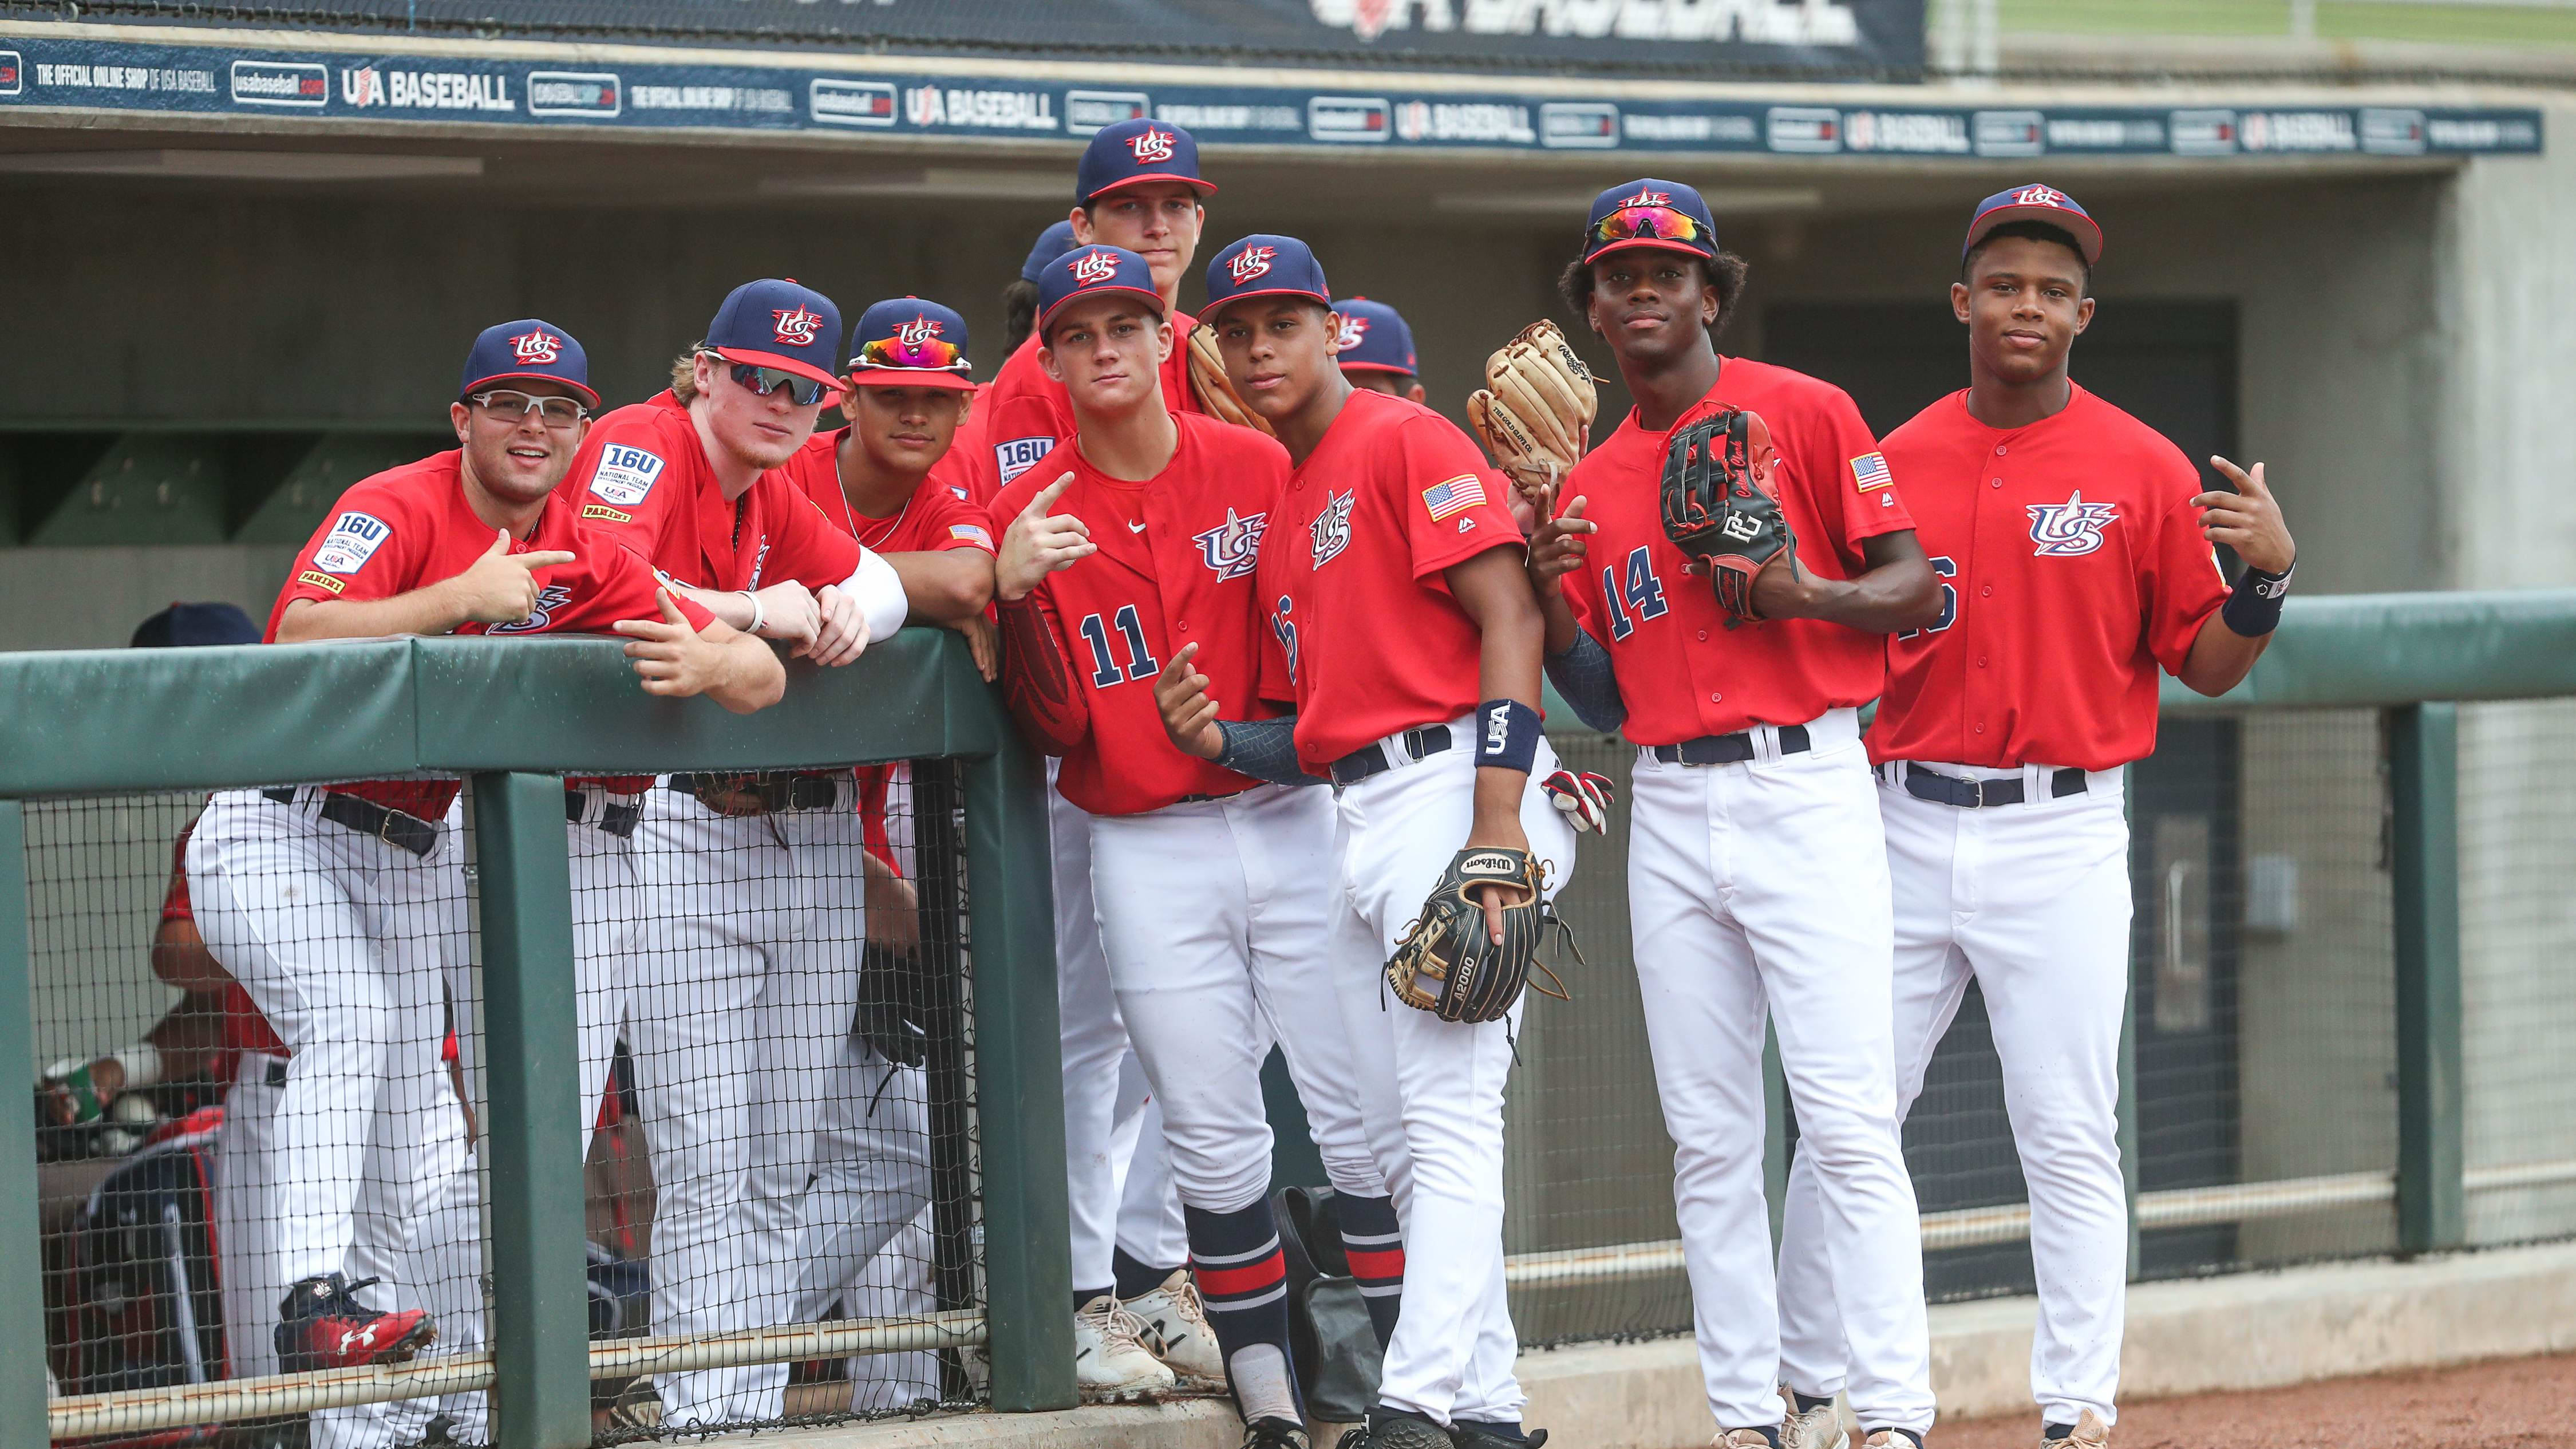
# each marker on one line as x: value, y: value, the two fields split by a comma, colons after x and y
x: 1999, y: 450
x: 1987, y: 592
x: 1999, y: 482
x: 1703, y: 636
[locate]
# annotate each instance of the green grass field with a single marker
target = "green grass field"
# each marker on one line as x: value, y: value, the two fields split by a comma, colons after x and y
x: 2457, y: 24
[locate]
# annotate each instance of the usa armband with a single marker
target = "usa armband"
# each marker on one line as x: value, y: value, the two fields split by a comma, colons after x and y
x: 1507, y: 734
x: 2254, y: 608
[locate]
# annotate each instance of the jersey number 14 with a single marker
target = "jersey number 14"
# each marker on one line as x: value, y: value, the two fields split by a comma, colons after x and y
x: 1104, y: 664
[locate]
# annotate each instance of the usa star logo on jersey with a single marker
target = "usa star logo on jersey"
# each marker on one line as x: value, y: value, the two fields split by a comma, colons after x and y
x: 796, y: 327
x: 2070, y: 529
x: 1331, y: 530
x: 549, y: 599
x: 1232, y: 548
x: 1353, y: 329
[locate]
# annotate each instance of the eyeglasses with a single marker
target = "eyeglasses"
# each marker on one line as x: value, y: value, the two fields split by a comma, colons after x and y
x: 1649, y: 223
x: 505, y: 406
x: 929, y: 354
x: 802, y: 390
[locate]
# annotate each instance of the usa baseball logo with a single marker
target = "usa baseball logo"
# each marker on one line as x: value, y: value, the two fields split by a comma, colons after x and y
x: 1648, y: 198
x: 1353, y: 329
x: 549, y: 598
x: 2070, y: 529
x: 1281, y: 625
x: 1251, y: 262
x: 1093, y: 267
x: 1152, y: 144
x: 796, y: 328
x: 1331, y: 530
x: 916, y: 332
x: 2039, y: 196
x: 1232, y: 548
x: 535, y: 347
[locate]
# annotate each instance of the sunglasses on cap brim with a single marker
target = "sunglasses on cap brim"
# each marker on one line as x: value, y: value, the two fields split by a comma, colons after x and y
x: 802, y: 390
x: 933, y: 355
x: 1651, y: 223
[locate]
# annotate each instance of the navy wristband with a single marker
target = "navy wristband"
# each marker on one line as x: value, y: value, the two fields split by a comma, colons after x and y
x: 2254, y: 608
x: 1507, y: 734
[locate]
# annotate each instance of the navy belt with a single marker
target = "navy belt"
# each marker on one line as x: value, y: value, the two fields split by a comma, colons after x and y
x: 616, y: 817
x: 1940, y: 789
x: 380, y: 822
x: 1732, y: 749
x: 1370, y: 760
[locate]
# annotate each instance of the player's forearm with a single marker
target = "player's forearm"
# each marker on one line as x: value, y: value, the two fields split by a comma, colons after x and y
x: 1898, y: 595
x: 191, y: 1037
x: 181, y: 961
x: 2220, y: 658
x: 734, y: 609
x: 430, y: 609
x: 946, y: 587
x: 750, y: 678
x: 1558, y: 617
x: 1037, y: 685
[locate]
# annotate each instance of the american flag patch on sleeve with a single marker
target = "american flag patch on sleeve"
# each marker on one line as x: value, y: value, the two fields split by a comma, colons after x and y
x: 970, y: 533
x: 1869, y: 471
x: 1449, y: 498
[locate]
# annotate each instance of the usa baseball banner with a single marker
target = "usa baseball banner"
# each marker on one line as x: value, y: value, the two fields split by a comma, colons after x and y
x: 1858, y: 38
x: 91, y: 68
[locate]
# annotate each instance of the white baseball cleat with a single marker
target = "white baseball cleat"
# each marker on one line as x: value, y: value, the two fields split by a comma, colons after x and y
x: 1108, y: 1360
x: 1818, y: 1428
x: 2090, y: 1433
x: 1175, y: 1330
x: 1739, y: 1439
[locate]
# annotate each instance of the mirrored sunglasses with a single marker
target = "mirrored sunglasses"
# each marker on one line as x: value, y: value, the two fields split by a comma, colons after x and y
x: 1649, y: 223
x: 803, y: 390
x: 929, y: 354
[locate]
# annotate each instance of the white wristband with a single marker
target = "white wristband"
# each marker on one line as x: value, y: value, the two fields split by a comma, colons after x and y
x: 758, y: 618
x: 879, y: 591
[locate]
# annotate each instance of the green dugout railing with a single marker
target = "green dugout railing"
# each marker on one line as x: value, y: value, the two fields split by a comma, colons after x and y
x: 510, y: 716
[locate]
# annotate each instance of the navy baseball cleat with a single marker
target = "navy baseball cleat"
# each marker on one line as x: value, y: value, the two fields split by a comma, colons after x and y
x: 323, y: 1326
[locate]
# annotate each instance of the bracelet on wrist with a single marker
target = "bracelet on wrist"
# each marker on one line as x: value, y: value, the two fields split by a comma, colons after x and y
x: 759, y: 616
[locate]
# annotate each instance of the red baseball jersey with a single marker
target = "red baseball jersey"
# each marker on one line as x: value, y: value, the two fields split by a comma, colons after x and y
x: 965, y: 467
x: 1682, y: 673
x: 1026, y: 413
x: 1176, y: 565
x: 1364, y: 634
x: 935, y: 518
x: 2071, y: 564
x: 411, y: 526
x: 643, y: 477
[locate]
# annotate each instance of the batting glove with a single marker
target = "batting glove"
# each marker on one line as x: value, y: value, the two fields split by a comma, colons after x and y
x: 1584, y: 797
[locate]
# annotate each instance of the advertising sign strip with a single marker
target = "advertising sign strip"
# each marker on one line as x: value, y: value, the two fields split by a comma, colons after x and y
x: 108, y: 75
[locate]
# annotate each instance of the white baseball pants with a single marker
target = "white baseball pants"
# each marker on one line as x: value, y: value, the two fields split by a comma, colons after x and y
x: 745, y: 981
x: 1215, y: 917
x: 871, y: 1174
x: 896, y: 1283
x: 1431, y: 1092
x: 1151, y: 1227
x: 2032, y: 902
x: 340, y: 940
x: 1761, y: 888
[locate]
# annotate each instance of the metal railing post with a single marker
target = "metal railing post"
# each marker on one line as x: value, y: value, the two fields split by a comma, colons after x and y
x: 1019, y: 1091
x: 2424, y: 788
x: 532, y: 1132
x: 22, y: 1261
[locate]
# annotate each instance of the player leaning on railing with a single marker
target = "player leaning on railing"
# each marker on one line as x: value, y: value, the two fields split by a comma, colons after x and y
x: 2073, y: 544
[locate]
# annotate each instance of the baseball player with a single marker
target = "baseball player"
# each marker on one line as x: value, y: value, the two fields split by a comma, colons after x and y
x: 1756, y: 868
x: 1403, y: 627
x: 1020, y: 298
x: 2073, y: 545
x: 1137, y: 187
x: 745, y: 981
x: 338, y: 909
x: 1145, y: 572
x: 1375, y: 349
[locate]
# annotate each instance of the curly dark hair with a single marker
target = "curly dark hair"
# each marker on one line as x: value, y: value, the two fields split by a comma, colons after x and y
x: 1019, y: 313
x: 1724, y: 272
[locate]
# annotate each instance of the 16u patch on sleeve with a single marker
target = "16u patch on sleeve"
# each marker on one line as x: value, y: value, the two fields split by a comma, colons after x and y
x: 1018, y: 455
x: 353, y: 539
x: 625, y: 474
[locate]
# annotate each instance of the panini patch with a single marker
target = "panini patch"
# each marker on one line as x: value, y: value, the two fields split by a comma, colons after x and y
x: 602, y: 510
x: 321, y: 580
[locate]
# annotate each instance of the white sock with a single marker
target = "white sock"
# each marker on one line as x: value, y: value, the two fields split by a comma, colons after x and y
x: 1261, y: 1390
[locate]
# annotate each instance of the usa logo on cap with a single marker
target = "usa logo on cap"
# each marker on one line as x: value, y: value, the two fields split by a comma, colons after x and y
x: 1353, y: 328
x: 1090, y: 272
x: 1250, y: 262
x: 1134, y: 152
x: 1264, y: 265
x: 1093, y: 267
x: 796, y: 325
x: 775, y: 322
x: 1374, y: 338
x: 1152, y: 144
x: 523, y: 351
x: 910, y: 342
x: 534, y: 347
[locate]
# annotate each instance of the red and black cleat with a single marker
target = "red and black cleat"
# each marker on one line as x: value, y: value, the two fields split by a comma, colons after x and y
x: 324, y: 1326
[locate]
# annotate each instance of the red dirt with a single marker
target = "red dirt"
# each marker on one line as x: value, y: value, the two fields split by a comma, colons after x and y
x: 2512, y: 1404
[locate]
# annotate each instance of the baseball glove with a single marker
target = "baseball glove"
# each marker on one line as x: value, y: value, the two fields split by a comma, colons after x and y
x: 1217, y: 397
x: 1721, y: 505
x: 1447, y: 964
x: 1535, y: 412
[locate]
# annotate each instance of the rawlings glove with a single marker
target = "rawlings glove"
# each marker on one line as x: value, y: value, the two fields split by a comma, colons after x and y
x: 1721, y: 505
x: 1585, y: 798
x: 1447, y: 963
x: 1217, y: 396
x: 1535, y: 412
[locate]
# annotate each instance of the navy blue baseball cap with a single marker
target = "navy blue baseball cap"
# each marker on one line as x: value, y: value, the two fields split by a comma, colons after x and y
x: 772, y: 323
x: 1265, y: 265
x: 1134, y: 152
x: 1373, y: 338
x: 1090, y: 272
x: 1052, y: 243
x: 525, y: 350
x: 2036, y: 203
x: 186, y: 625
x: 1649, y: 213
x: 907, y: 342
